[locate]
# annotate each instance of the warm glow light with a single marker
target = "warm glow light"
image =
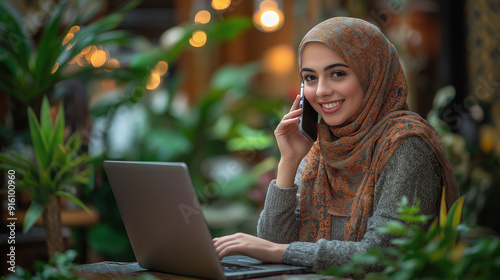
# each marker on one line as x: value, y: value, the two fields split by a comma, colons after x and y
x: 80, y: 60
x: 91, y: 51
x: 270, y: 18
x: 221, y: 4
x: 202, y: 17
x: 113, y: 63
x: 198, y: 39
x: 85, y: 50
x: 153, y: 81
x: 54, y: 68
x: 67, y: 38
x: 74, y: 29
x: 161, y: 68
x: 280, y: 59
x: 98, y: 58
x: 268, y: 5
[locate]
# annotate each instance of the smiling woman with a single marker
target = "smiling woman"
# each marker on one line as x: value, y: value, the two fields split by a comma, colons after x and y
x: 329, y: 198
x: 331, y: 87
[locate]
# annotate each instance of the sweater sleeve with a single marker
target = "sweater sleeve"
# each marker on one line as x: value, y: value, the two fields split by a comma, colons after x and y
x: 412, y: 171
x: 278, y: 220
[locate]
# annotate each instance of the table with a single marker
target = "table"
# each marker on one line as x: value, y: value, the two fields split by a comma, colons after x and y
x: 130, y: 270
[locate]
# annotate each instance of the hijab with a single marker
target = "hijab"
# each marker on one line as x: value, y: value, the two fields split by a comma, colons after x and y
x: 344, y: 164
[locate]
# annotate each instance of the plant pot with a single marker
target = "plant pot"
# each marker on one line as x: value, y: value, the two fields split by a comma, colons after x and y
x: 53, y: 226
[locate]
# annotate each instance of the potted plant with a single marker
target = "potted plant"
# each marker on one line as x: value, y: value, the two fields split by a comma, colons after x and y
x: 58, y: 164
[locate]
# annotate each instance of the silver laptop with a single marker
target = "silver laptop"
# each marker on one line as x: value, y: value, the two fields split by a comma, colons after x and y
x: 166, y: 227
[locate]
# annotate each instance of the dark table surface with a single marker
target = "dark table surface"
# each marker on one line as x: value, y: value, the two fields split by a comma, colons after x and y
x: 131, y: 270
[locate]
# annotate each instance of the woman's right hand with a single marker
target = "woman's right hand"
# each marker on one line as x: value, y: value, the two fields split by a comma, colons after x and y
x: 292, y: 144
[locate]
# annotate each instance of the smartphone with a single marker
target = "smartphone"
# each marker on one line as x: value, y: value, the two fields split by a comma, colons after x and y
x: 308, y: 123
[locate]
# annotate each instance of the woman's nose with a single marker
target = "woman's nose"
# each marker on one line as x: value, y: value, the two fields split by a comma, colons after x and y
x: 323, y: 88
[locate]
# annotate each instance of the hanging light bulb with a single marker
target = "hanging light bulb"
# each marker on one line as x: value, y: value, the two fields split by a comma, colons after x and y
x: 268, y: 15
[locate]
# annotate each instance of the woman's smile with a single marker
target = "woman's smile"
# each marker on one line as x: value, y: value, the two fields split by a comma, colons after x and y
x: 331, y: 106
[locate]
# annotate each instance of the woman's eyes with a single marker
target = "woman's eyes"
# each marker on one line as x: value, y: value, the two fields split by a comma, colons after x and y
x: 334, y: 74
x: 337, y: 74
x: 308, y: 78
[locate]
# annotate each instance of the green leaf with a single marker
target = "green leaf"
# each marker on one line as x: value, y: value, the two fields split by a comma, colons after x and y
x: 46, y: 120
x: 34, y: 211
x: 57, y: 135
x: 6, y: 167
x: 74, y: 199
x: 74, y: 143
x: 39, y: 142
x: 30, y: 165
x: 49, y: 47
x: 229, y: 28
x: 61, y: 156
x: 20, y: 45
x: 443, y: 211
x: 12, y: 163
x: 455, y: 213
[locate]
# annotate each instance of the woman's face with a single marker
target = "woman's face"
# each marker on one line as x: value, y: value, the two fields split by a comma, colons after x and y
x: 330, y: 85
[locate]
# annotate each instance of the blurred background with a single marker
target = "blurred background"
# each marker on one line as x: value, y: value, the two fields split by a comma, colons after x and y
x: 206, y: 82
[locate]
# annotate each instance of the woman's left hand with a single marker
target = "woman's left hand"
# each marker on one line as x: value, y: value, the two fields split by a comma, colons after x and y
x: 251, y: 246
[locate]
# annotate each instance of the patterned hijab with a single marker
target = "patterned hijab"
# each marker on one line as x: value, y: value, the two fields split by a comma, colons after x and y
x: 345, y: 163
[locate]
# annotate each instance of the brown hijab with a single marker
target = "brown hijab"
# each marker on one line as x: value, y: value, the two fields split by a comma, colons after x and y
x: 345, y: 163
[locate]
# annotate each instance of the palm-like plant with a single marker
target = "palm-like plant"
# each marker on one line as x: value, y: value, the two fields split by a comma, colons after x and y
x: 58, y: 165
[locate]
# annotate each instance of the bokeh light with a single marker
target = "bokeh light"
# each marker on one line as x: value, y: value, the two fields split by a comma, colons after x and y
x: 153, y: 81
x: 98, y: 58
x: 270, y: 18
x: 198, y: 39
x: 221, y: 4
x: 202, y: 17
x: 161, y: 68
x: 279, y: 59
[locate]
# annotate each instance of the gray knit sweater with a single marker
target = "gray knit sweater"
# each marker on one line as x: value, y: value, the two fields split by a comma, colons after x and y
x: 412, y: 171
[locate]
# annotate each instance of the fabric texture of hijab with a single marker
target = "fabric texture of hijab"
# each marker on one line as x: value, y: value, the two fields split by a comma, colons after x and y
x: 344, y: 165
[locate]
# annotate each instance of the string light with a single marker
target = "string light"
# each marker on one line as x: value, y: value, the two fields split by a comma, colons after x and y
x: 202, y: 17
x: 221, y: 4
x: 161, y: 68
x: 198, y: 39
x: 70, y: 35
x: 268, y: 15
x: 98, y: 58
x: 153, y: 81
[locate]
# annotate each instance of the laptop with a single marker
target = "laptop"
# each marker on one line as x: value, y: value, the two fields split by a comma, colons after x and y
x: 166, y: 228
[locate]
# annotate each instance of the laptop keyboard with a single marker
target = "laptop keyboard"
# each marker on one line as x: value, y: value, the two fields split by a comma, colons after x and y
x: 237, y: 268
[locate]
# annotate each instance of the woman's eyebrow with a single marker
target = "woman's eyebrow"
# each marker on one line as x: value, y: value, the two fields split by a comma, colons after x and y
x: 334, y: 65
x: 326, y: 68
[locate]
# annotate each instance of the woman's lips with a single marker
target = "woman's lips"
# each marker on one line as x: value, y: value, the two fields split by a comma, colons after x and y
x: 331, y: 107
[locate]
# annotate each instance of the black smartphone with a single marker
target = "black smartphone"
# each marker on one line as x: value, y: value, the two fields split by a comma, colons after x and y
x: 308, y: 123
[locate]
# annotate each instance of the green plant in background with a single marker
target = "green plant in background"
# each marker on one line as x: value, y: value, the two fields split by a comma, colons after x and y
x: 434, y: 254
x: 192, y: 135
x: 58, y: 165
x: 475, y: 158
x: 30, y: 69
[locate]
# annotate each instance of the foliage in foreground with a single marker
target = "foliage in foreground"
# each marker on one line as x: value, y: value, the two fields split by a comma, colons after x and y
x: 434, y: 254
x: 60, y: 267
